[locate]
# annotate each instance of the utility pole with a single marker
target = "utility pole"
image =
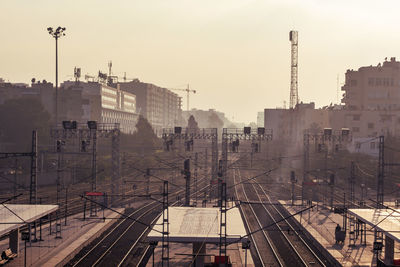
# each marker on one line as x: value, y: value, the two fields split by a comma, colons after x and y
x: 186, y: 173
x: 293, y: 181
x: 332, y: 187
x: 381, y: 173
x: 195, y: 177
x: 15, y: 179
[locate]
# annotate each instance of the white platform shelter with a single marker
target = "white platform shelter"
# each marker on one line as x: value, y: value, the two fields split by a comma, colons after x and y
x: 200, y: 226
x: 14, y: 216
x: 386, y: 221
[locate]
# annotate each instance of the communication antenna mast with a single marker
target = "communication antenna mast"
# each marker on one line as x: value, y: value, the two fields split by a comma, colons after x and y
x: 337, y: 90
x: 294, y: 96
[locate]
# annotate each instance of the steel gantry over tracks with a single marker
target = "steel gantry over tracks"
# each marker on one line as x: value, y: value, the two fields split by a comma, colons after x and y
x: 86, y: 135
x: 178, y: 138
x: 326, y: 141
x: 232, y: 137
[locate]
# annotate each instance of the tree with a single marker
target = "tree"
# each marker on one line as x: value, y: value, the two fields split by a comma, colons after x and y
x: 214, y: 121
x: 144, y: 138
x: 18, y: 118
x: 192, y: 124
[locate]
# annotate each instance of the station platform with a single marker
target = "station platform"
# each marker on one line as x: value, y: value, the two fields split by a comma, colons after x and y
x: 52, y: 251
x: 320, y: 223
x: 195, y: 231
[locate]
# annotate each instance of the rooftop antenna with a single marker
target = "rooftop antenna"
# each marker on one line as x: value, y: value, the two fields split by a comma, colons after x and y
x: 294, y: 96
x: 109, y: 67
x: 77, y: 74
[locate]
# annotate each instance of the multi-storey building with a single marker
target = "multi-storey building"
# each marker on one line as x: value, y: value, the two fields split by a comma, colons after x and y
x: 69, y: 101
x: 373, y: 87
x: 106, y: 104
x: 160, y: 106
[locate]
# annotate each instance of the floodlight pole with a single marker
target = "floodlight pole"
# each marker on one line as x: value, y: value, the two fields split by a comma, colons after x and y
x: 57, y: 33
x: 56, y: 80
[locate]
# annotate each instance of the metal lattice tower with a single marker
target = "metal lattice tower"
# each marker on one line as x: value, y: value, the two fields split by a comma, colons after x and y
x: 115, y: 159
x: 33, y: 187
x: 165, y: 228
x: 381, y: 173
x: 352, y: 183
x: 196, y: 158
x: 222, y: 226
x: 214, y: 155
x: 225, y: 137
x: 94, y: 159
x: 306, y: 155
x: 171, y: 137
x: 294, y: 96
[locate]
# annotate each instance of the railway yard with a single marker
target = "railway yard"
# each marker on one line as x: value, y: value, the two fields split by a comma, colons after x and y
x: 274, y: 211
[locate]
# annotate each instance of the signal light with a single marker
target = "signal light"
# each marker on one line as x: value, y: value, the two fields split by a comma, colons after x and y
x: 69, y: 125
x: 178, y: 130
x: 260, y: 130
x: 59, y: 145
x: 92, y: 125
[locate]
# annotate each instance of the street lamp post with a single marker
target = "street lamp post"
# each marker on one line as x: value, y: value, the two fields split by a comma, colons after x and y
x: 57, y: 33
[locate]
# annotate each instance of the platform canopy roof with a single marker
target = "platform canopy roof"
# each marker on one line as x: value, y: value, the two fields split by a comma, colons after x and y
x: 13, y: 216
x: 384, y: 220
x: 191, y: 224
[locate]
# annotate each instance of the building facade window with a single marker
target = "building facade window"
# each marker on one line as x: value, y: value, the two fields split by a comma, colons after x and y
x: 371, y: 81
x: 370, y: 125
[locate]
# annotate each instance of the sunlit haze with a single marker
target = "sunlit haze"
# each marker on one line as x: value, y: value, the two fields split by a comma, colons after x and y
x: 236, y: 54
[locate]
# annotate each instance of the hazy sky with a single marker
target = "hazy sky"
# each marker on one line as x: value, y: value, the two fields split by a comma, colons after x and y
x: 235, y: 53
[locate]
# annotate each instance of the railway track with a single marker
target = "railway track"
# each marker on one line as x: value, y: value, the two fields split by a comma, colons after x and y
x: 289, y: 246
x: 122, y: 244
x: 289, y: 229
x: 264, y: 253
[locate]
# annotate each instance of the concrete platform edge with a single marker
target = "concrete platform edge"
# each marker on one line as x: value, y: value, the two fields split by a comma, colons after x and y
x: 84, y: 244
x: 315, y: 242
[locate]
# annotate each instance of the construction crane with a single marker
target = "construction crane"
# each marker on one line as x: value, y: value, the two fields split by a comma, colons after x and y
x: 187, y: 90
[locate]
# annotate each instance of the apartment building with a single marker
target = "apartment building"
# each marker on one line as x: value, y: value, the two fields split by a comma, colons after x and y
x: 373, y: 87
x: 106, y: 104
x: 160, y: 106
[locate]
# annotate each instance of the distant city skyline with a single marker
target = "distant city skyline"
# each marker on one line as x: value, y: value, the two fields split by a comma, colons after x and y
x: 236, y: 54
